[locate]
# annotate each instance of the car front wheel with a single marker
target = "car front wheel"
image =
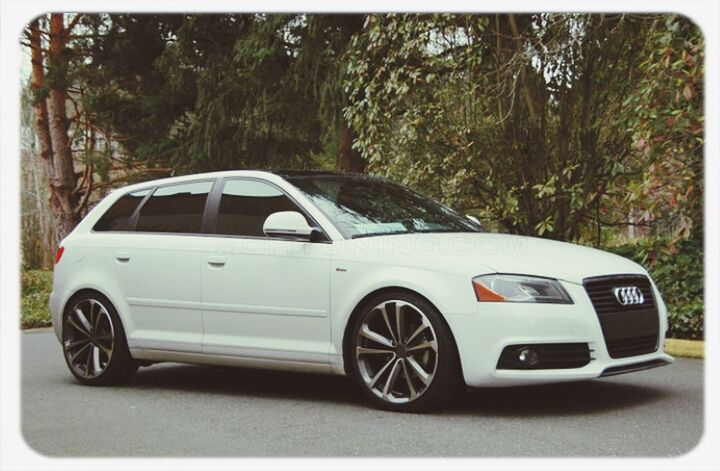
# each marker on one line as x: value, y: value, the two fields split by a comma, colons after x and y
x: 404, y: 356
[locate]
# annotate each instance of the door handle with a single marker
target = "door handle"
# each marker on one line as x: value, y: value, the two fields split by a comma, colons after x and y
x: 216, y: 261
x: 122, y: 257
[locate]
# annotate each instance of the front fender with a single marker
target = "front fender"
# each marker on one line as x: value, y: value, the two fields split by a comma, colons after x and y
x: 449, y: 293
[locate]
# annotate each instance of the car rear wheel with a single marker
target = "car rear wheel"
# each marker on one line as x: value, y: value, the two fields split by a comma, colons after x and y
x: 94, y: 343
x: 403, y: 354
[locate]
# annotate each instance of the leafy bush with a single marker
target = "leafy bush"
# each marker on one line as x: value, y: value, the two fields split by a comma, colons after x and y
x: 36, y: 287
x: 678, y: 272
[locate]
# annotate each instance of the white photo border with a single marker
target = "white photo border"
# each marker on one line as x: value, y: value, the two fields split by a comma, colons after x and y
x: 15, y: 14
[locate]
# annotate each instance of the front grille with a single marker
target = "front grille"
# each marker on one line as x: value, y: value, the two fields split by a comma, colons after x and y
x: 550, y: 356
x: 634, y: 346
x: 628, y: 330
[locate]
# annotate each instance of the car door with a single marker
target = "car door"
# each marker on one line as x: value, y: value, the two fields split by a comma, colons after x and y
x: 158, y: 268
x: 263, y: 297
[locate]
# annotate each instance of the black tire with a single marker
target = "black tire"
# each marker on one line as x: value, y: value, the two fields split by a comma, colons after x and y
x: 446, y: 381
x: 116, y: 364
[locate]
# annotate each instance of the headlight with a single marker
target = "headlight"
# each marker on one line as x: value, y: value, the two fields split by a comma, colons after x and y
x: 519, y: 289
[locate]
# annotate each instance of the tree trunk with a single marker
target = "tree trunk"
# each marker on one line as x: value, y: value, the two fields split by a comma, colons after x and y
x: 63, y: 181
x: 347, y: 158
x: 42, y: 127
x: 52, y: 127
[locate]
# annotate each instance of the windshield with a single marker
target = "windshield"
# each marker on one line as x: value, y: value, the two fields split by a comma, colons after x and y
x: 365, y: 206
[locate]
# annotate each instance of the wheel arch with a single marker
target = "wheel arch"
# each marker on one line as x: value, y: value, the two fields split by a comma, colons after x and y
x: 346, y: 340
x: 80, y: 290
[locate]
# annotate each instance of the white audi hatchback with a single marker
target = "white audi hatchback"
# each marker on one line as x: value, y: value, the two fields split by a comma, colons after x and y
x: 341, y: 274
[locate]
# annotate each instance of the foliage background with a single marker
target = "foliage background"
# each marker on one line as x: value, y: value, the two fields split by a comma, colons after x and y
x: 679, y: 278
x: 586, y: 128
x: 36, y: 286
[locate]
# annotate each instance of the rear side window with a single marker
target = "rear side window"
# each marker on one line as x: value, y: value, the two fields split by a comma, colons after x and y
x: 116, y: 218
x: 175, y: 208
x: 245, y: 204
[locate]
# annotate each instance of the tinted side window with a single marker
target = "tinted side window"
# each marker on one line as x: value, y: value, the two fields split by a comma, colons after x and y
x: 245, y: 204
x: 116, y: 218
x: 175, y: 208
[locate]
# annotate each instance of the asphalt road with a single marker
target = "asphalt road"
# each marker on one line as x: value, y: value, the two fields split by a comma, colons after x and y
x: 180, y: 410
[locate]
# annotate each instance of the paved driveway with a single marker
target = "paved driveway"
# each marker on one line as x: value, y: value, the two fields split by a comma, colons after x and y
x: 180, y: 410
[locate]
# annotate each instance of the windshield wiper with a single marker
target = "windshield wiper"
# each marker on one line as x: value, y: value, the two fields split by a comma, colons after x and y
x: 430, y: 231
x: 425, y: 231
x: 373, y: 234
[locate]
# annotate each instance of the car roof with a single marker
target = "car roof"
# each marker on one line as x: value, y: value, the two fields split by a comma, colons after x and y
x: 319, y: 173
x: 307, y: 173
x: 271, y: 175
x: 264, y: 174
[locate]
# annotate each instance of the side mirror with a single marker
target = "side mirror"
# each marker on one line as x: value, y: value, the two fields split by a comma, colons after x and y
x: 473, y: 219
x: 289, y: 225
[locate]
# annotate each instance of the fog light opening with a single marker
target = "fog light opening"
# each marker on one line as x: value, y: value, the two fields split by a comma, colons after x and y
x: 528, y: 357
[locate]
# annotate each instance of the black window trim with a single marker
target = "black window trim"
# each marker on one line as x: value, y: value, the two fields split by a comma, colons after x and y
x: 132, y: 219
x: 131, y: 225
x: 210, y: 212
x: 214, y: 207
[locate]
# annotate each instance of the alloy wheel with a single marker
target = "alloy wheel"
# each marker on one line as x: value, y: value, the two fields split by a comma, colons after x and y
x: 397, y: 351
x: 88, y: 338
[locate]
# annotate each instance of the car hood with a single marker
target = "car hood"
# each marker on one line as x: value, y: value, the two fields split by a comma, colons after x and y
x: 480, y: 253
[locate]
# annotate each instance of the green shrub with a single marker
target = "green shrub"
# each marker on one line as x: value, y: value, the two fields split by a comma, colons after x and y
x: 36, y: 286
x: 678, y: 272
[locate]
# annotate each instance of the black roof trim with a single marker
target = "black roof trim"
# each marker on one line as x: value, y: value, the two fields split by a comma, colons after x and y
x: 317, y: 173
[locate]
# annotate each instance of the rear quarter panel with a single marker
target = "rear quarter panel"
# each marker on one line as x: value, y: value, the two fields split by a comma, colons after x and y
x: 85, y: 265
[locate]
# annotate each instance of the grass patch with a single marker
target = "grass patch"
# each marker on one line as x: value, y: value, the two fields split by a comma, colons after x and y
x: 685, y: 348
x: 36, y: 286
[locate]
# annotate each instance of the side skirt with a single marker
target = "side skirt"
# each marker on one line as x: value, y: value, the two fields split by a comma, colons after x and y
x: 227, y: 360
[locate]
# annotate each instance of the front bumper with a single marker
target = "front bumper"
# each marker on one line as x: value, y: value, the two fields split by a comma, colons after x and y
x: 482, y: 336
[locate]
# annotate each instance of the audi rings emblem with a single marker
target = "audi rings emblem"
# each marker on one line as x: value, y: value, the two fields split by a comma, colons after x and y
x: 628, y: 295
